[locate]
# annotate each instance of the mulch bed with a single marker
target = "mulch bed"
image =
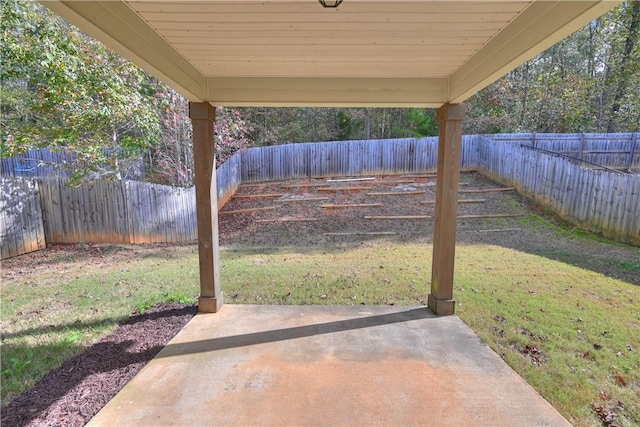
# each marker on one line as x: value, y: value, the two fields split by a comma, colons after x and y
x: 72, y: 394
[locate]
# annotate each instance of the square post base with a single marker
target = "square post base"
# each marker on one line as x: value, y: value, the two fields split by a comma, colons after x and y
x: 210, y: 304
x: 442, y: 307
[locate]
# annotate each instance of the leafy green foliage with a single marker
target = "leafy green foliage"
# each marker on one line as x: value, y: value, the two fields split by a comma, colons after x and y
x: 423, y: 123
x: 231, y: 133
x: 16, y: 366
x: 589, y: 82
x: 171, y: 161
x: 62, y: 89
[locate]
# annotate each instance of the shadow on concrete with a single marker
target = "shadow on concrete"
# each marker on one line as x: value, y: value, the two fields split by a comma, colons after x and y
x: 285, y: 334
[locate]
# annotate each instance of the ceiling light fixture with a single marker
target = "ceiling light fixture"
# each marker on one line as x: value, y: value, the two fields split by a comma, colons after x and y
x: 330, y: 3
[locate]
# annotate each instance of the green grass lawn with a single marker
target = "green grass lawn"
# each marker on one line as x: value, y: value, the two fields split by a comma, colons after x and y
x: 570, y: 328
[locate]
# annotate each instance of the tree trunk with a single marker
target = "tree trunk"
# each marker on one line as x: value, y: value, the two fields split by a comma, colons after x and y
x: 367, y: 124
x: 633, y: 37
x: 525, y: 93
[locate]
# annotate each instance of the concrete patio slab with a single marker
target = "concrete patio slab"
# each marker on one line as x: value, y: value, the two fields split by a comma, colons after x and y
x: 327, y: 366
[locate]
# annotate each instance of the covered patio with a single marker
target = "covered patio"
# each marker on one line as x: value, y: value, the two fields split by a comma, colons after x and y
x: 412, y: 53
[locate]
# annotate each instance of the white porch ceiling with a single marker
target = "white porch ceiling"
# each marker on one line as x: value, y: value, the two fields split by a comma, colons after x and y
x: 296, y: 53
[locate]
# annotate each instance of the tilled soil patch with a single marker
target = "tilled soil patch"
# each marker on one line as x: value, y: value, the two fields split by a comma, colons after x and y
x: 318, y: 211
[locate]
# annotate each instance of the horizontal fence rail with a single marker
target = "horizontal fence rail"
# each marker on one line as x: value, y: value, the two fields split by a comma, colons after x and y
x: 48, y: 210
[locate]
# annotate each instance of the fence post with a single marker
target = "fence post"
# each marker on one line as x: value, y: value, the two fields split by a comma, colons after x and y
x: 128, y: 201
x: 632, y: 151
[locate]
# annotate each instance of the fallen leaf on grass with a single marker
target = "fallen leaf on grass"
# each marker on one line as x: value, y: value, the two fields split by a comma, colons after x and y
x: 609, y: 413
x: 533, y: 335
x: 620, y: 379
x: 533, y: 353
x: 499, y: 318
x: 597, y: 346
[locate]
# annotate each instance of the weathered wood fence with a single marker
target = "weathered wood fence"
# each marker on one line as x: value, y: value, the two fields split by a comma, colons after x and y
x: 45, y: 163
x: 117, y: 211
x: 21, y: 227
x: 348, y: 158
x: 616, y: 151
x: 49, y: 210
x: 600, y: 201
x: 136, y: 212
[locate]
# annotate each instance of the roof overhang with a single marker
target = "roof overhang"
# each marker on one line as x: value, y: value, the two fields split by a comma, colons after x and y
x: 296, y: 53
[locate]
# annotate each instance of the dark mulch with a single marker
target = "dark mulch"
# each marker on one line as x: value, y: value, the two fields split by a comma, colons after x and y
x: 72, y: 394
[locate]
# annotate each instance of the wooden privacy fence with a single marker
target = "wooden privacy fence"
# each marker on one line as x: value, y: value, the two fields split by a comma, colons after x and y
x: 21, y: 228
x: 117, y: 211
x: 36, y: 212
x: 136, y: 212
x: 347, y: 158
x: 599, y: 201
x: 617, y: 151
x: 45, y: 162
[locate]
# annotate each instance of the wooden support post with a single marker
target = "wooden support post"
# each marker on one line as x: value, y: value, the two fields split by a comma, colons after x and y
x: 450, y: 118
x: 202, y: 116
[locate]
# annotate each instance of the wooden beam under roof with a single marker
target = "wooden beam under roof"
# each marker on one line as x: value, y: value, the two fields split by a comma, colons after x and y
x: 325, y: 92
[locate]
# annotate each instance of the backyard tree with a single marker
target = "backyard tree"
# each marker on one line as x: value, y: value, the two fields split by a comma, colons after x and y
x: 589, y: 82
x: 171, y: 161
x: 270, y: 126
x: 63, y: 90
